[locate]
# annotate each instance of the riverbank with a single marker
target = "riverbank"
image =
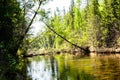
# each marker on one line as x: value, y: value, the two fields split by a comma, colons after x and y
x: 74, y: 51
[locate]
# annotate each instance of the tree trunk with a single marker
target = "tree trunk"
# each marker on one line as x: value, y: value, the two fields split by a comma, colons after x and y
x: 86, y: 50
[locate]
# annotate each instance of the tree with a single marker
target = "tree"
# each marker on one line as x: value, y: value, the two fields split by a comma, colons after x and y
x: 111, y: 22
x: 12, y: 23
x: 97, y: 24
x: 13, y: 31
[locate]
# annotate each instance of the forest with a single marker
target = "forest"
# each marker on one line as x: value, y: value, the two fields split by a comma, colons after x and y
x: 95, y: 25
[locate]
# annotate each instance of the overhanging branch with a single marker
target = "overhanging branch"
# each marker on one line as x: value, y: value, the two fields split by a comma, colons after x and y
x: 63, y: 37
x: 28, y: 27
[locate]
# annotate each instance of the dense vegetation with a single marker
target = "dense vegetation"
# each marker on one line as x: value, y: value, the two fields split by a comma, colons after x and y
x: 15, y: 24
x: 97, y: 24
x: 12, y: 26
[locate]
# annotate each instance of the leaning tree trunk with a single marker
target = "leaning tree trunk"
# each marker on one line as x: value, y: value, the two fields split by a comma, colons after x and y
x: 85, y: 49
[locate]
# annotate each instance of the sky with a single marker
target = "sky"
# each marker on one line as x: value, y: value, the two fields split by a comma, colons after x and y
x: 61, y: 4
x: 52, y: 5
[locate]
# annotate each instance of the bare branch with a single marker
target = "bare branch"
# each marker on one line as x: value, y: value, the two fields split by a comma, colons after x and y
x: 28, y: 27
x: 40, y: 2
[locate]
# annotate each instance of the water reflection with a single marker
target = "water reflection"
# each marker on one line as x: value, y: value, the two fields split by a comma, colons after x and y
x: 45, y: 69
x: 108, y: 68
x: 69, y: 68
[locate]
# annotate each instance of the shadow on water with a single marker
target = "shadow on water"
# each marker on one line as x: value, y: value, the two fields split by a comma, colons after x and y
x: 67, y: 67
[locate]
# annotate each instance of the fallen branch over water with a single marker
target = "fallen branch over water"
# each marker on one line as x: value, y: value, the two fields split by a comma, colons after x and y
x: 75, y: 51
x: 31, y: 55
x: 86, y: 50
x: 52, y: 52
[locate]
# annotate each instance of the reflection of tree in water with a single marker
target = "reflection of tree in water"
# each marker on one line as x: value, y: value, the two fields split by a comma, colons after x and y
x: 76, y: 74
x: 109, y: 69
x: 42, y: 68
x: 70, y: 72
x: 64, y: 71
x: 62, y: 68
x: 54, y: 68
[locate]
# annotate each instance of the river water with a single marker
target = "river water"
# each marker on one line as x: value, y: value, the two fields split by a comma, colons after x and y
x: 69, y: 67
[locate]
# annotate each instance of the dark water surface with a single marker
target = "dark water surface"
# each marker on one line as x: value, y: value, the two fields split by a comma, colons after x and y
x: 69, y: 67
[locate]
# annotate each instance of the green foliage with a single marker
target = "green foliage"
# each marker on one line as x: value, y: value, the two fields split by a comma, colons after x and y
x: 14, y: 32
x: 12, y: 26
x: 98, y: 24
x: 15, y: 22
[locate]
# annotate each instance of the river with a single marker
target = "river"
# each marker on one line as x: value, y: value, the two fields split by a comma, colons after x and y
x: 70, y: 67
